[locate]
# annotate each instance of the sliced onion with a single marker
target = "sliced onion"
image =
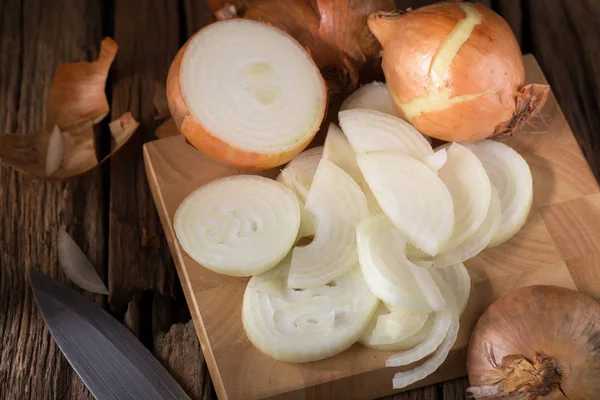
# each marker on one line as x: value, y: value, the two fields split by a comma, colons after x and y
x: 478, y: 241
x: 372, y: 96
x: 298, y: 174
x: 389, y: 329
x: 459, y: 282
x: 437, y: 160
x: 511, y: 176
x: 305, y: 325
x: 413, y: 197
x: 338, y: 205
x: 239, y: 225
x: 468, y: 183
x: 369, y: 130
x: 337, y: 149
x: 387, y: 271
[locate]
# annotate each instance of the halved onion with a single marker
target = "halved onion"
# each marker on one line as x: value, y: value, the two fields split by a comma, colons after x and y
x: 239, y: 225
x: 392, y: 329
x: 337, y: 149
x: 299, y: 173
x: 387, y: 271
x: 468, y: 183
x: 412, y: 196
x: 338, y: 205
x: 509, y: 173
x: 232, y: 87
x: 478, y: 241
x: 305, y: 325
x: 369, y: 130
x: 372, y: 96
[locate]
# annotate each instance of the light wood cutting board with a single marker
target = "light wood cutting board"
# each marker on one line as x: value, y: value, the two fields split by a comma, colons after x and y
x: 559, y: 245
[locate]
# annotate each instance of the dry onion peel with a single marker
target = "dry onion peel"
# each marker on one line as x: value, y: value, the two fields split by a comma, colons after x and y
x: 387, y: 271
x: 239, y: 225
x: 455, y: 71
x: 338, y: 150
x: 536, y: 342
x: 510, y: 174
x: 412, y: 196
x: 338, y: 205
x: 231, y: 88
x: 370, y: 130
x: 305, y: 325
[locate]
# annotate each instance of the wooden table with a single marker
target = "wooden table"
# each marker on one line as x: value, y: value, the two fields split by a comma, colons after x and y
x: 109, y: 211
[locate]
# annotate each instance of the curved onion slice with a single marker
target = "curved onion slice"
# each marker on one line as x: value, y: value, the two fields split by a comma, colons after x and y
x: 337, y: 149
x: 387, y: 271
x: 511, y: 176
x: 369, y: 130
x: 298, y: 174
x: 390, y: 329
x: 239, y: 225
x: 412, y: 196
x: 469, y: 186
x: 305, y: 325
x: 372, y: 96
x: 459, y: 281
x: 338, y: 205
x: 478, y: 241
x: 436, y: 160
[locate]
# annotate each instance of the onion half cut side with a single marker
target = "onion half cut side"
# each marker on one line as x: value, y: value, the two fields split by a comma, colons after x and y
x: 337, y: 149
x: 388, y: 273
x: 369, y: 130
x: 511, y: 176
x: 412, y: 196
x: 239, y: 225
x: 246, y: 94
x: 337, y: 205
x: 305, y: 325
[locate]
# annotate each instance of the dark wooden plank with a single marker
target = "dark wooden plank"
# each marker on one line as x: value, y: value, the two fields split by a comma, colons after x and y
x: 34, y: 37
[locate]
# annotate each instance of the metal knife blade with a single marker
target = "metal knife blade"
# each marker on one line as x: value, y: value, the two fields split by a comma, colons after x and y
x: 110, y: 360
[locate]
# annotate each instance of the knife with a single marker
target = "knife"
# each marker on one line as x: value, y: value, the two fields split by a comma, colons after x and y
x: 110, y: 360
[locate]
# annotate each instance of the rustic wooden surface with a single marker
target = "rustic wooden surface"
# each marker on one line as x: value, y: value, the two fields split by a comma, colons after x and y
x: 100, y: 208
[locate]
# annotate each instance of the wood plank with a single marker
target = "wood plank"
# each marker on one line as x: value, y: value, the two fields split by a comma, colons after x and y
x: 32, y: 43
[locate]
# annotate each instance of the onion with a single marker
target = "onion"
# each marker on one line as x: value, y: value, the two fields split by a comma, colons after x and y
x: 387, y: 271
x: 537, y: 342
x: 369, y: 130
x: 455, y: 71
x: 458, y: 280
x: 338, y: 205
x: 412, y: 196
x: 436, y: 160
x: 239, y: 225
x: 337, y: 149
x: 305, y: 325
x: 299, y: 173
x: 232, y: 86
x: 511, y: 176
x: 391, y: 329
x: 372, y: 96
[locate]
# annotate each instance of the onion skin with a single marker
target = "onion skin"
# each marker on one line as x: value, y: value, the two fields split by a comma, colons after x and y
x: 551, y: 330
x: 203, y: 140
x: 487, y: 66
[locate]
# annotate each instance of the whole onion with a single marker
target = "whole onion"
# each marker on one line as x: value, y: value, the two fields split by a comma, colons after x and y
x: 455, y: 71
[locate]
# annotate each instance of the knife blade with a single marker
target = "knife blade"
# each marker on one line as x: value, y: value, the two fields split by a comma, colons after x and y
x: 110, y: 360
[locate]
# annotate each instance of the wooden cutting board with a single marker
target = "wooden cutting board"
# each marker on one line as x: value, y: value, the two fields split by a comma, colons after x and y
x: 559, y: 245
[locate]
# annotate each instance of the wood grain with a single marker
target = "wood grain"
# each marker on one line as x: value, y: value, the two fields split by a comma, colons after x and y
x: 238, y: 368
x: 32, y: 44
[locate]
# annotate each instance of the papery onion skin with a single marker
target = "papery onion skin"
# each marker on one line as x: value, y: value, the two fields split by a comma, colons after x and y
x: 487, y: 69
x: 199, y: 137
x: 552, y: 330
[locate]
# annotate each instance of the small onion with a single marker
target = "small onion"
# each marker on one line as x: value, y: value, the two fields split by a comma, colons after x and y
x: 455, y: 71
x: 537, y: 342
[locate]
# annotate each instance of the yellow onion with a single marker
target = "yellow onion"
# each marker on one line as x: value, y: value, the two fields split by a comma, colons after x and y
x: 537, y: 342
x: 455, y: 71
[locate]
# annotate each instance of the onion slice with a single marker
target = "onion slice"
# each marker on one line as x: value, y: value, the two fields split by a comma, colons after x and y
x: 412, y: 196
x: 387, y: 271
x: 305, y: 325
x: 459, y: 282
x: 437, y: 160
x: 371, y: 96
x: 239, y: 225
x: 509, y: 173
x: 338, y: 205
x: 299, y: 173
x: 391, y: 329
x: 337, y: 149
x: 369, y: 130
